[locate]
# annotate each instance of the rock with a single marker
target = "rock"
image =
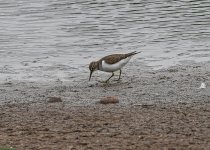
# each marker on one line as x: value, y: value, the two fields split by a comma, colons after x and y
x: 54, y: 100
x: 67, y: 117
x: 91, y: 85
x: 173, y: 70
x: 109, y: 100
x: 8, y: 83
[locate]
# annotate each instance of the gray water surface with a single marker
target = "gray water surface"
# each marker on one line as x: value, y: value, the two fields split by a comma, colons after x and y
x: 51, y: 39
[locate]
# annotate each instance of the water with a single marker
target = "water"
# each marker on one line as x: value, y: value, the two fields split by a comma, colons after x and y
x: 51, y: 39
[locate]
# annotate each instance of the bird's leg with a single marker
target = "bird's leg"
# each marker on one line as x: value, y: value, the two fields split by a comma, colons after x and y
x: 110, y: 77
x: 119, y: 75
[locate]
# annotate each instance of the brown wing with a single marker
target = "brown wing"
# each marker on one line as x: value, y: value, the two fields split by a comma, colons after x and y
x: 114, y: 58
x: 111, y: 59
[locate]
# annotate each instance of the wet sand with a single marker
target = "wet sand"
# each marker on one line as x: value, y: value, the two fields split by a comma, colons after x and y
x: 162, y: 109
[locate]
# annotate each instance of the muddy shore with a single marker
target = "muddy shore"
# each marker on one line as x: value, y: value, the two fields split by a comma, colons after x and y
x: 163, y: 109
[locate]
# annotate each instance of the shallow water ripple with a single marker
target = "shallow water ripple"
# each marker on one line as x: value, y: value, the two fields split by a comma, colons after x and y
x: 51, y: 39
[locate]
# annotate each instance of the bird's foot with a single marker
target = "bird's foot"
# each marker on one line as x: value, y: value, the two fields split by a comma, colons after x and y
x: 119, y: 79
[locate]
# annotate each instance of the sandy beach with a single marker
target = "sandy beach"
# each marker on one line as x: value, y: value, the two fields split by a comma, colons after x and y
x: 162, y: 109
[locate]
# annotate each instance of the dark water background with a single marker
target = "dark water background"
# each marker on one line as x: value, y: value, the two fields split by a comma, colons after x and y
x: 51, y: 39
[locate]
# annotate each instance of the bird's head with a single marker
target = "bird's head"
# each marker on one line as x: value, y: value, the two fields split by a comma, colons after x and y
x: 93, y: 67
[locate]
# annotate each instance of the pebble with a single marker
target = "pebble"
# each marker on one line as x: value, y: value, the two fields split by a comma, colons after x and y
x: 109, y: 100
x: 54, y: 100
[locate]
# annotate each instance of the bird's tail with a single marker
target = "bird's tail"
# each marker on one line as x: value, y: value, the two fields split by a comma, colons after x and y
x: 135, y: 52
x: 132, y: 53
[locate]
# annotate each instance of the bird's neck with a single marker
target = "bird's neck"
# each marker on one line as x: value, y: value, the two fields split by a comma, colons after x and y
x: 99, y: 65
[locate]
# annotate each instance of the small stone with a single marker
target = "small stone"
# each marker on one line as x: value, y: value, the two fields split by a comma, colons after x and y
x: 54, y: 100
x: 109, y: 100
x: 173, y: 70
x: 8, y: 83
x: 75, y: 91
x: 67, y: 118
x: 91, y: 85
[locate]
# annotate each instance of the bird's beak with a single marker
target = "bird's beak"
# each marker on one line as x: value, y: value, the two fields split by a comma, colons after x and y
x: 90, y: 74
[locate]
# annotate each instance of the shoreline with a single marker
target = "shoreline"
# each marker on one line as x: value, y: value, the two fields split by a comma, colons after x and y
x: 157, y: 109
x: 176, y: 84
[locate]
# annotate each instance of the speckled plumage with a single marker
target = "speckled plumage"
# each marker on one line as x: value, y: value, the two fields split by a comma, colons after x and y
x: 111, y: 63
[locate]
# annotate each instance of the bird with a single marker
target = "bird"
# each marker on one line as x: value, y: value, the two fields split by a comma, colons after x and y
x: 111, y: 63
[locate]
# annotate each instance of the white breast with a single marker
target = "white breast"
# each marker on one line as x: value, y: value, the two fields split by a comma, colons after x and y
x: 114, y: 67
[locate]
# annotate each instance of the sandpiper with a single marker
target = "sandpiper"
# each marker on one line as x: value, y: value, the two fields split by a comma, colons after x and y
x: 111, y: 63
